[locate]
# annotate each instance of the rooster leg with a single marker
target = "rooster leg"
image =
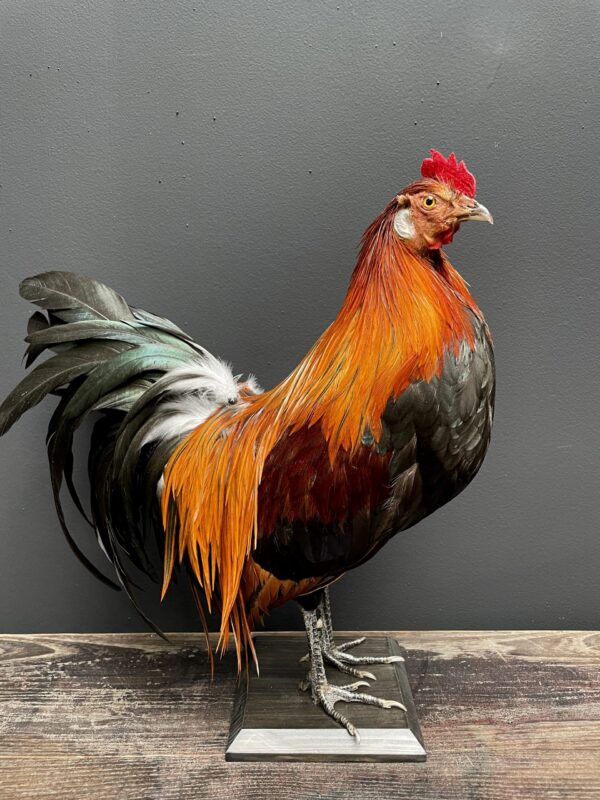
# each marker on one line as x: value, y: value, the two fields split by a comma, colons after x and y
x: 325, y: 611
x: 336, y: 655
x: 327, y: 694
x: 328, y: 647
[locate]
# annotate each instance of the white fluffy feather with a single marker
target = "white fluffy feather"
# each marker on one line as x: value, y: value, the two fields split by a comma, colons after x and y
x: 193, y: 393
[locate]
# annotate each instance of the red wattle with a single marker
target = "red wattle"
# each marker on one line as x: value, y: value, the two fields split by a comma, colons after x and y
x: 445, y: 238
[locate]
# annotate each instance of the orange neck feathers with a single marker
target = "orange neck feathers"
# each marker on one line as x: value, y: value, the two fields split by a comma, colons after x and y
x: 400, y: 315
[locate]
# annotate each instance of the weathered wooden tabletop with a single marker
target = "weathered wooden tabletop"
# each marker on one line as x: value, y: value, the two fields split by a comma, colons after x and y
x: 128, y: 717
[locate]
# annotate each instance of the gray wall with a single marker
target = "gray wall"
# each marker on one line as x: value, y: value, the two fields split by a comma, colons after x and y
x: 217, y: 162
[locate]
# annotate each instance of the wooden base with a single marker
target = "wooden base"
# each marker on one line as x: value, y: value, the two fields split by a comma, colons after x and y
x: 273, y: 720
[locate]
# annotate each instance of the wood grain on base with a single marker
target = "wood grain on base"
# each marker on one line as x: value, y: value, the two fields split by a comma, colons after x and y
x: 273, y: 720
x: 510, y: 714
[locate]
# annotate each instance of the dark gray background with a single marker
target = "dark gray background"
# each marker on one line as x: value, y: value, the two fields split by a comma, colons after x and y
x: 217, y: 162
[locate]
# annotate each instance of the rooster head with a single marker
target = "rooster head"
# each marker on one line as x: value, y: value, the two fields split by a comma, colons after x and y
x: 431, y: 210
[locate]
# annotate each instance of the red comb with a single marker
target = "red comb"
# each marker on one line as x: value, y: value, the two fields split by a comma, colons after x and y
x: 450, y: 171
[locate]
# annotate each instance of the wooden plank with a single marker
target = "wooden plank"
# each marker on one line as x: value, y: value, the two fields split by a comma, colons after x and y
x: 272, y: 720
x: 511, y: 714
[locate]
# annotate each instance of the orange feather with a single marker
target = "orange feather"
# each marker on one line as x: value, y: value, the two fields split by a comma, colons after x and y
x: 399, y: 317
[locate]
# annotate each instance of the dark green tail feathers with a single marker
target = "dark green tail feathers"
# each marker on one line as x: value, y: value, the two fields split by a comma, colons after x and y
x: 145, y: 382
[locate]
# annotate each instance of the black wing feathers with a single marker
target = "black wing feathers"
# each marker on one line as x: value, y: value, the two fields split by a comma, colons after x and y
x: 109, y: 358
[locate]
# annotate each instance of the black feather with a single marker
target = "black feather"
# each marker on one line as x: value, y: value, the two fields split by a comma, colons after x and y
x: 62, y: 292
x: 87, y: 329
x: 57, y: 371
x: 37, y: 322
x: 114, y: 361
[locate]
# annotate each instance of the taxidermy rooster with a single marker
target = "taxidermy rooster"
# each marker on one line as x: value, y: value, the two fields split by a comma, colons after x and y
x: 264, y: 497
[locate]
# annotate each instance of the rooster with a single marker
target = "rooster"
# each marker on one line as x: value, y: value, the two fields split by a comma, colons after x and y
x: 264, y: 497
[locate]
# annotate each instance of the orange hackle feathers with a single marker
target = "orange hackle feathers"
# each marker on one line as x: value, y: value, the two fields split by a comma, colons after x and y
x: 263, y: 591
x: 400, y: 315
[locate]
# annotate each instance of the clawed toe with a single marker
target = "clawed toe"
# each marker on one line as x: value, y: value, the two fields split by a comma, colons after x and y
x: 336, y: 660
x: 351, y: 643
x: 394, y: 704
x: 327, y: 695
x: 367, y: 699
x: 352, y: 687
x: 350, y: 660
x: 306, y: 684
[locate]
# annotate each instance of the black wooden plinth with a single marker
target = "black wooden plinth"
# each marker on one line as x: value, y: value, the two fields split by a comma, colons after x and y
x: 274, y: 721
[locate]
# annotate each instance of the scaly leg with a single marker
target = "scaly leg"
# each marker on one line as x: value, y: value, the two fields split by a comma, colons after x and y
x: 326, y: 694
x: 337, y: 655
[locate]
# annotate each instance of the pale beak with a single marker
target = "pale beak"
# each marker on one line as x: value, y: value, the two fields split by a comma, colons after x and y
x: 475, y: 211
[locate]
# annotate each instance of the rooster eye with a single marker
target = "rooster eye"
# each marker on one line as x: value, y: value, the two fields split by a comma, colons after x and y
x: 429, y: 201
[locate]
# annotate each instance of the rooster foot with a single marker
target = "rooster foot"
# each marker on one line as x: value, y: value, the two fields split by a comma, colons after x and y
x: 337, y: 653
x: 338, y: 657
x: 327, y: 694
